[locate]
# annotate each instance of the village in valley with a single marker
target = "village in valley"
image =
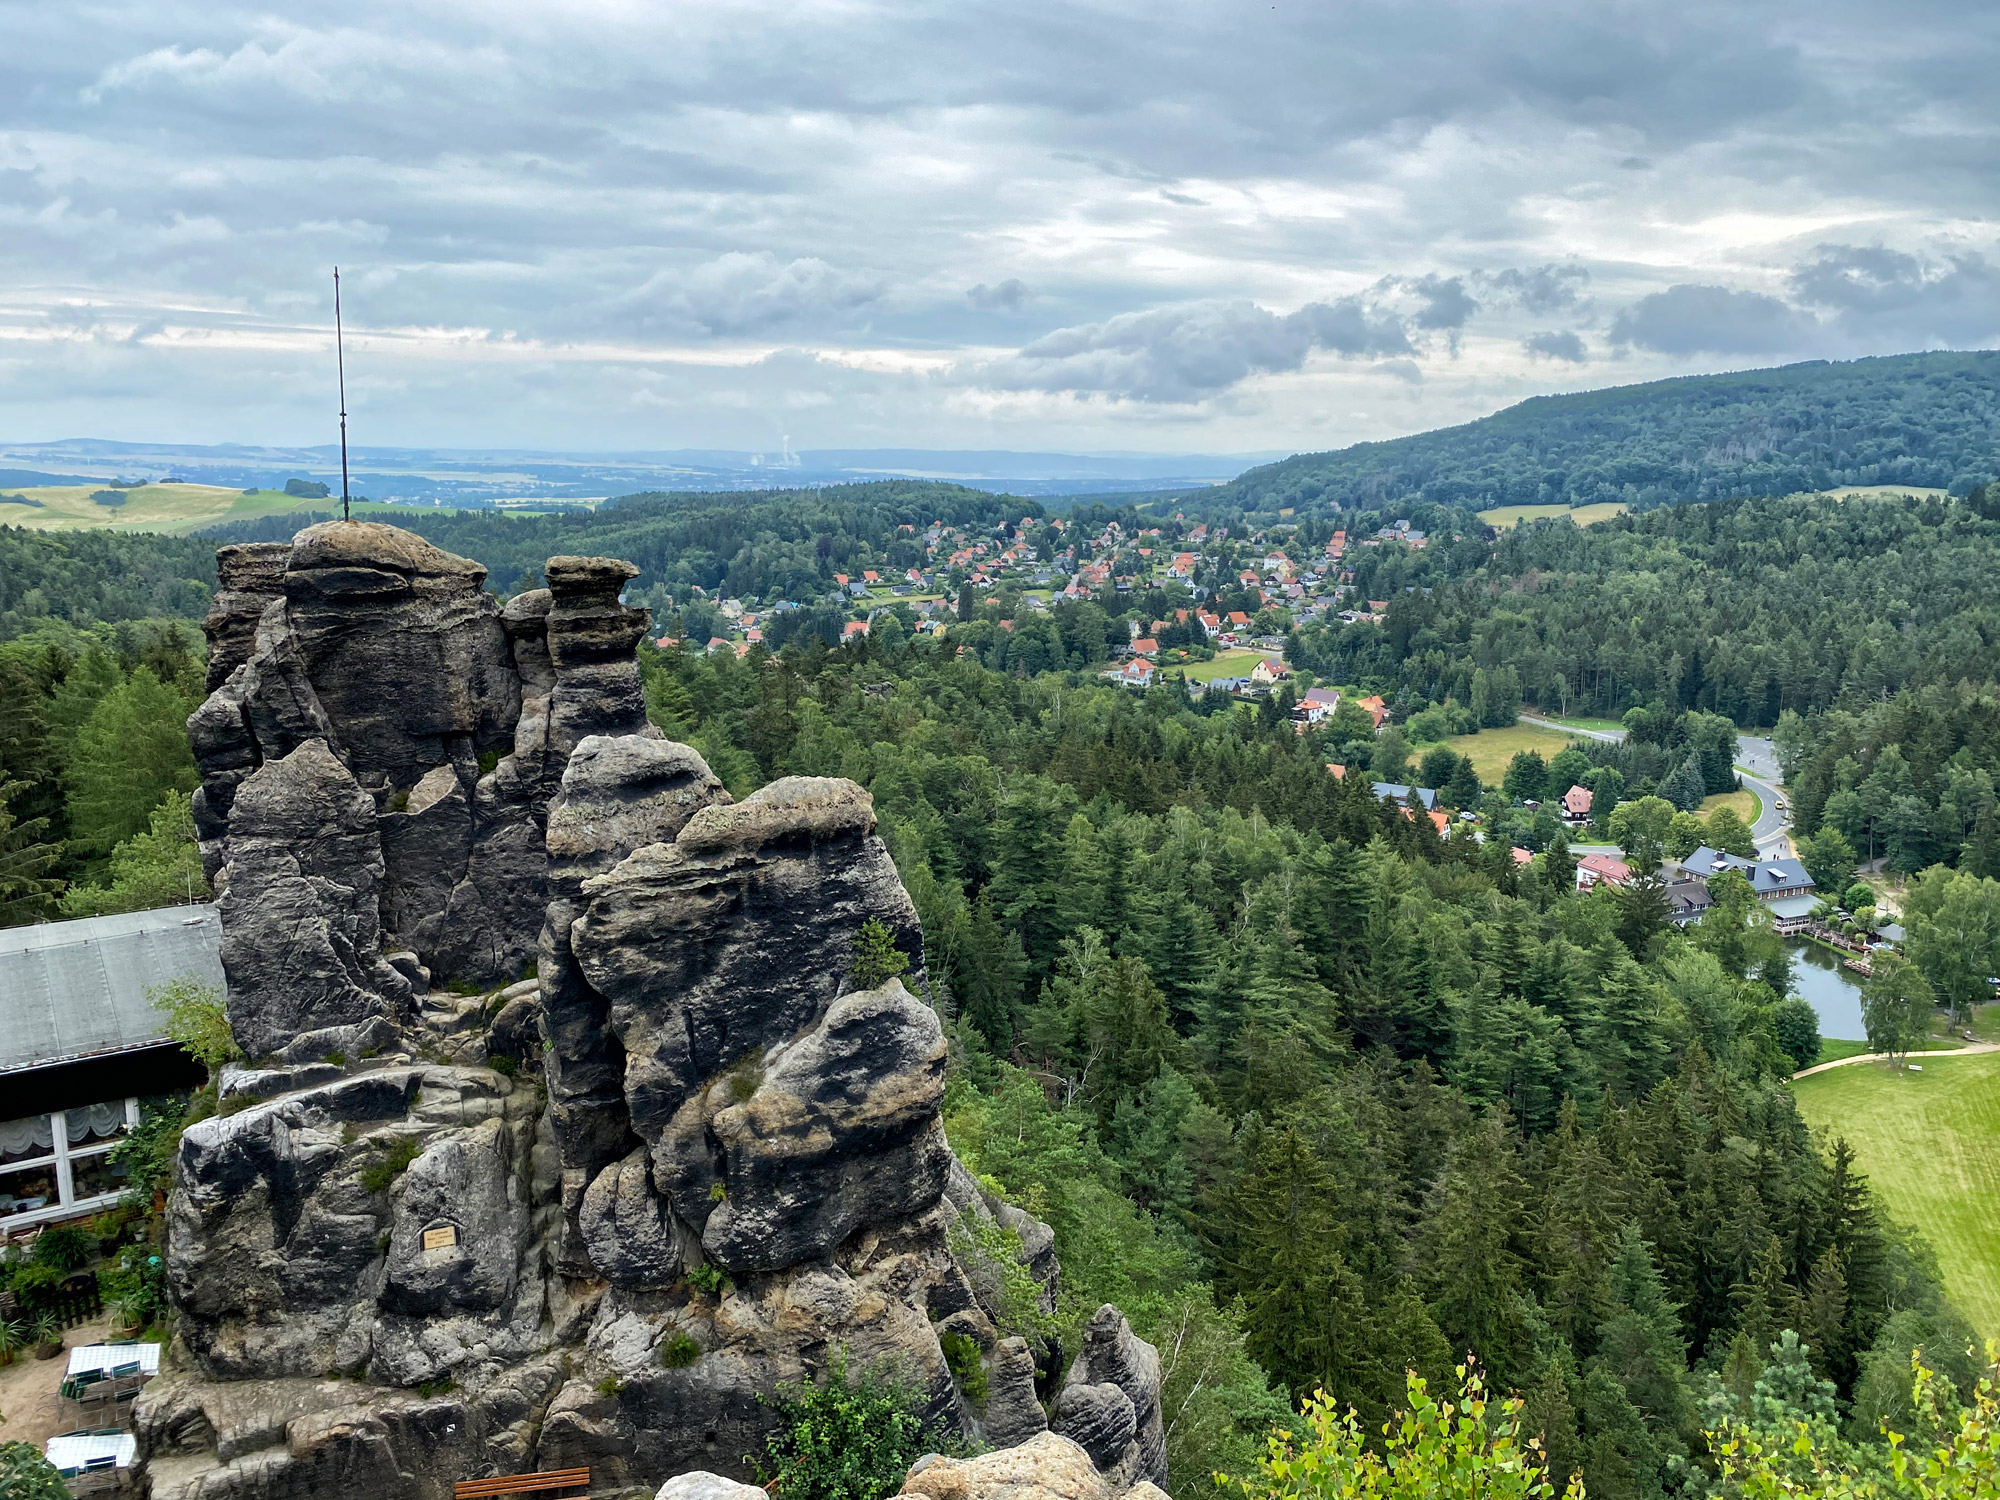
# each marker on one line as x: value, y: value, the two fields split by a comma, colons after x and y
x: 1190, y: 607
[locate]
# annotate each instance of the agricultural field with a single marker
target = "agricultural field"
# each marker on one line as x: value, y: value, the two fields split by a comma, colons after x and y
x: 149, y: 507
x: 1930, y: 1144
x: 1504, y: 516
x: 1880, y: 491
x: 1491, y: 750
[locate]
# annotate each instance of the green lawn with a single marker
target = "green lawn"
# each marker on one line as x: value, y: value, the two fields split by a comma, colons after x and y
x: 1235, y: 663
x: 1600, y: 725
x: 1832, y: 1049
x: 1930, y: 1144
x: 1749, y: 806
x: 1491, y: 750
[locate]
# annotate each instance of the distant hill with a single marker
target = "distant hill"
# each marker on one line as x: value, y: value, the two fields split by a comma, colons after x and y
x: 1930, y: 420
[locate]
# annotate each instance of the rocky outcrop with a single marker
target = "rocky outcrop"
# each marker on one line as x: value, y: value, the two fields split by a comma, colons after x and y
x: 590, y: 1217
x: 1110, y: 1402
x: 301, y: 938
x: 1046, y: 1467
x: 454, y: 715
x: 249, y: 578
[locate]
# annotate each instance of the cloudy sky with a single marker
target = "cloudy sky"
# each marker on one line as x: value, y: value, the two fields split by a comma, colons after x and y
x: 1170, y: 226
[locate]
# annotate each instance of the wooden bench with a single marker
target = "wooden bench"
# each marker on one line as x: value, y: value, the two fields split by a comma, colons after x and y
x: 521, y: 1484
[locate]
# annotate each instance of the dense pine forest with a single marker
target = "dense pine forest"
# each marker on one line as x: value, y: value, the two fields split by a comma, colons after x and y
x: 1317, y: 1095
x: 1325, y: 1097
x: 1916, y: 419
x: 1746, y: 608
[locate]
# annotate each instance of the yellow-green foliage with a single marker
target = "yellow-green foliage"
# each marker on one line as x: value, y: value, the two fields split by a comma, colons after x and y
x: 196, y: 1019
x: 1460, y: 1449
x: 1961, y: 1461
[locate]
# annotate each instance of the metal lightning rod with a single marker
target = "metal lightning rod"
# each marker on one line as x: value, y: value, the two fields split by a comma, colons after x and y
x: 340, y: 363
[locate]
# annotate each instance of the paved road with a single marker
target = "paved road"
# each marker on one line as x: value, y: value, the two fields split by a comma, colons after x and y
x: 1841, y: 1062
x: 1607, y: 736
x: 1756, y: 762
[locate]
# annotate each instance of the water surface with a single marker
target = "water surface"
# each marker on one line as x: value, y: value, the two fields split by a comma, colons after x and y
x: 1834, y: 992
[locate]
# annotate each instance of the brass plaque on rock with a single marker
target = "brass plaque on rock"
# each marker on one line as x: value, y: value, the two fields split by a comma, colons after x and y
x: 441, y: 1239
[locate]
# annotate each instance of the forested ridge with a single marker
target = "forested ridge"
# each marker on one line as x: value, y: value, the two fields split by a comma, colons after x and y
x: 1747, y: 608
x: 1931, y: 420
x: 782, y: 543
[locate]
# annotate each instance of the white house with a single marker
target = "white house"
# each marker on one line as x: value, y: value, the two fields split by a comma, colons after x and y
x: 1269, y: 672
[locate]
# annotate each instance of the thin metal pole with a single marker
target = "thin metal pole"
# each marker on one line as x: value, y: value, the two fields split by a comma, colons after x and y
x: 340, y: 363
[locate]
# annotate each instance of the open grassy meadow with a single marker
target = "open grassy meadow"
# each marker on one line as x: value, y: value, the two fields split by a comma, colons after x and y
x: 1504, y: 516
x: 149, y: 507
x: 1491, y: 750
x: 1235, y: 663
x: 1749, y: 806
x: 1930, y: 1144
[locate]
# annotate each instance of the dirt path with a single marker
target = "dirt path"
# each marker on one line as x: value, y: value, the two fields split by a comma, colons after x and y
x: 28, y: 1389
x: 1862, y: 1057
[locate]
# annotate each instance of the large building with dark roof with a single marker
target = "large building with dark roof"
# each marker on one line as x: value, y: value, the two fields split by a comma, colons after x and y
x: 81, y: 1045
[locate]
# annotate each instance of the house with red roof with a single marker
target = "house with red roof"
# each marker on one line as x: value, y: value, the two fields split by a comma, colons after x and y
x: 1601, y: 869
x: 1318, y: 704
x: 1576, y: 805
x: 1269, y: 672
x: 1138, y: 672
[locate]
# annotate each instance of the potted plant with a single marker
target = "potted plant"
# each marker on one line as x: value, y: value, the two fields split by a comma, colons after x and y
x: 125, y: 1316
x: 48, y: 1336
x: 11, y: 1335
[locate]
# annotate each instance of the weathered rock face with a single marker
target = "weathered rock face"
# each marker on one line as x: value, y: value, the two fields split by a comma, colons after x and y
x: 301, y: 938
x: 403, y: 1259
x: 249, y: 578
x: 1110, y: 1403
x: 388, y: 650
x: 1045, y: 1467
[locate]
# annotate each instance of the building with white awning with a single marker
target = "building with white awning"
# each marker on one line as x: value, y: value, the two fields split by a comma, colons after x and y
x: 81, y: 1045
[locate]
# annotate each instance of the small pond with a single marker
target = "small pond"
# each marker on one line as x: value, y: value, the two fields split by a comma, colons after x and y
x: 1834, y: 992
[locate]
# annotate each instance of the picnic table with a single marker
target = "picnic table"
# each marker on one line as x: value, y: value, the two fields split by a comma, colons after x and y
x: 90, y: 1461
x: 109, y: 1372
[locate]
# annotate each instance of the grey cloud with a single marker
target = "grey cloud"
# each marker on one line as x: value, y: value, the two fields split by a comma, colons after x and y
x: 1539, y: 289
x: 1446, y: 303
x: 1560, y: 344
x: 1694, y: 319
x: 745, y: 294
x: 1184, y: 354
x: 1010, y: 295
x: 1878, y: 294
x: 839, y: 175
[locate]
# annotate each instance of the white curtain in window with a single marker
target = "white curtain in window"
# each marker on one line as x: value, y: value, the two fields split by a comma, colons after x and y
x: 92, y: 1120
x: 33, y: 1135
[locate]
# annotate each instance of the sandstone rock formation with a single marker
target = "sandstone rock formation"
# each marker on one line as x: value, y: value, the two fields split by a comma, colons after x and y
x: 1047, y: 1467
x: 591, y: 1216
